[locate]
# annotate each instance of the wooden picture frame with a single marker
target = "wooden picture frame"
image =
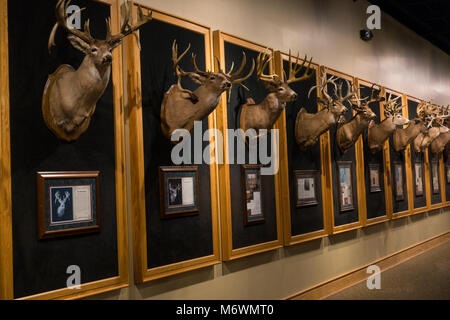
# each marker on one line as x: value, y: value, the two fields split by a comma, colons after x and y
x: 435, y: 177
x: 229, y: 250
x: 399, y: 181
x: 253, y: 208
x: 346, y: 190
x: 142, y: 271
x: 374, y: 177
x: 113, y: 282
x: 310, y: 193
x: 68, y: 203
x: 419, y: 179
x: 179, y: 195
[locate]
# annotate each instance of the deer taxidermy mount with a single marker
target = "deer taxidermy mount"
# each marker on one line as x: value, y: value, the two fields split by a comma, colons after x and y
x: 433, y: 117
x: 348, y: 132
x: 310, y: 126
x: 402, y: 137
x: 265, y: 114
x: 181, y: 107
x: 70, y: 95
x: 378, y: 133
x: 441, y: 142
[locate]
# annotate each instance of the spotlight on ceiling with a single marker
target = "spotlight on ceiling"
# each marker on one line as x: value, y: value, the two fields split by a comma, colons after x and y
x: 365, y: 34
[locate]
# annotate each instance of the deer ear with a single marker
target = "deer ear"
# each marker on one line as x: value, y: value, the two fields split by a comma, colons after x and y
x: 196, y: 78
x: 78, y: 43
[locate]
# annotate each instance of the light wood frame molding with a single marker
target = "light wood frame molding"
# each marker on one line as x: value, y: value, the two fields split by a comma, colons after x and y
x: 6, y: 251
x: 407, y: 173
x: 386, y: 162
x: 359, y: 171
x: 142, y: 273
x: 443, y: 203
x: 410, y: 171
x: 228, y: 253
x: 279, y: 58
x: 6, y: 261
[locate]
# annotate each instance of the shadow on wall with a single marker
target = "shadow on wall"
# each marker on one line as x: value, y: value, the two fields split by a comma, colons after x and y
x: 175, y: 282
x: 250, y: 262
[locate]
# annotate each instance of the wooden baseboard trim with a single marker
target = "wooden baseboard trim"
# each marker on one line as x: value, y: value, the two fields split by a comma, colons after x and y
x: 353, y: 277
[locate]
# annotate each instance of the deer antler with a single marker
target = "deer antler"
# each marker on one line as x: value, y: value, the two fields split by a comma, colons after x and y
x: 61, y: 20
x: 294, y: 69
x: 261, y: 63
x: 352, y: 91
x: 126, y: 28
x: 233, y: 77
x: 391, y: 107
x: 322, y: 86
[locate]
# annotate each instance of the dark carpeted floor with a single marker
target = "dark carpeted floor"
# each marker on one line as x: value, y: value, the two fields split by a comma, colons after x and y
x: 426, y: 276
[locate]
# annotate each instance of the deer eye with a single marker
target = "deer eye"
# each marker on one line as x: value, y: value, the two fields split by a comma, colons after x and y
x: 280, y: 89
x: 212, y: 78
x: 94, y: 50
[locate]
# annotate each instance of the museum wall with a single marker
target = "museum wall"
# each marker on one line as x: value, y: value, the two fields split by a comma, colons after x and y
x: 327, y: 30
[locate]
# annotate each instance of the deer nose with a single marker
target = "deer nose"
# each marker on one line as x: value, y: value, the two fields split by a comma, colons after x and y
x: 227, y: 84
x: 107, y: 58
x: 294, y: 96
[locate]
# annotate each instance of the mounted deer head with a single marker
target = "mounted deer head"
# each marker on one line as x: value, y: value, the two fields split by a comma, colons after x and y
x: 266, y: 113
x: 70, y: 95
x: 348, y: 132
x: 434, y: 118
x: 181, y: 107
x: 308, y: 126
x: 379, y: 133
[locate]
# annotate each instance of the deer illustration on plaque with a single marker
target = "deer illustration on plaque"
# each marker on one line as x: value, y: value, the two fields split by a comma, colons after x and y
x: 264, y: 114
x: 310, y: 126
x: 70, y: 95
x: 181, y: 107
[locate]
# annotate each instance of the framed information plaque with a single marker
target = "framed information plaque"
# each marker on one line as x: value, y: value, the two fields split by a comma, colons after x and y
x: 435, y: 176
x: 374, y: 174
x: 306, y: 187
x: 398, y: 181
x: 252, y: 191
x: 418, y: 174
x: 178, y: 191
x: 68, y: 203
x: 345, y: 182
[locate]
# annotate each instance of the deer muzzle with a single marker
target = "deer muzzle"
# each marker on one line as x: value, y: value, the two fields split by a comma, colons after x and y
x: 107, y: 59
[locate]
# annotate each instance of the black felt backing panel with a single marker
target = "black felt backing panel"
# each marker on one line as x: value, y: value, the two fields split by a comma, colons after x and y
x: 244, y: 236
x: 420, y: 201
x: 398, y: 205
x: 310, y: 218
x: 434, y: 158
x: 40, y: 266
x: 346, y: 217
x: 183, y: 238
x: 375, y: 201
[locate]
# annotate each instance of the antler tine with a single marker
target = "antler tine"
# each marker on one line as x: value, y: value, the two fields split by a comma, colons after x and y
x: 261, y: 64
x: 294, y: 69
x: 352, y: 89
x: 194, y: 63
x: 61, y: 20
x: 240, y: 80
x: 241, y: 67
x: 176, y: 60
x: 127, y: 29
